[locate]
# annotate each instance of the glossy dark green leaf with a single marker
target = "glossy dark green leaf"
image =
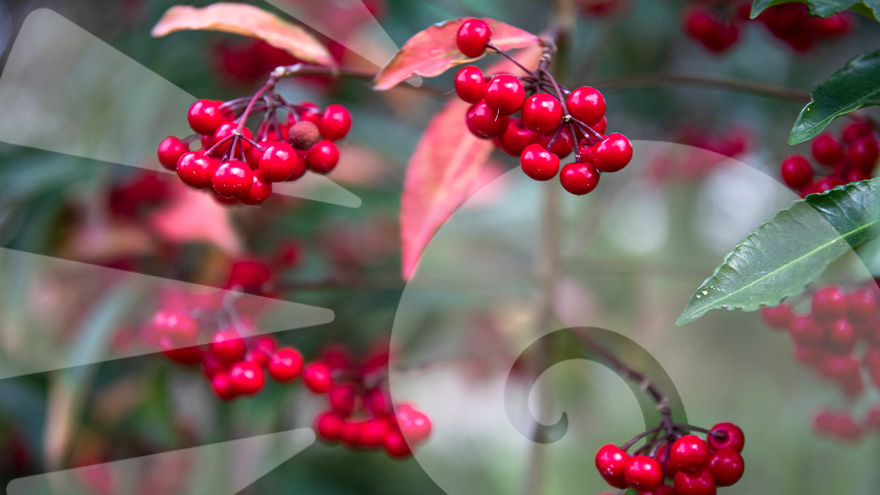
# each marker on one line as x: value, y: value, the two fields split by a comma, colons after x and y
x: 821, y: 8
x: 790, y: 250
x: 855, y: 86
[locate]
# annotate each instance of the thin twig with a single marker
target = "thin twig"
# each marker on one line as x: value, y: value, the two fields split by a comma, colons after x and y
x: 640, y: 81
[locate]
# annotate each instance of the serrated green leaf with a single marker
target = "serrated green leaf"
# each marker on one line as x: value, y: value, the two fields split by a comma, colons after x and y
x: 790, y: 250
x: 855, y: 86
x: 821, y: 8
x: 874, y: 6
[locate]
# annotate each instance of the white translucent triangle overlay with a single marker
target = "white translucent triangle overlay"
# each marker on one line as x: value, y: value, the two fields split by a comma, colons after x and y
x: 67, y: 91
x: 219, y: 469
x: 42, y: 328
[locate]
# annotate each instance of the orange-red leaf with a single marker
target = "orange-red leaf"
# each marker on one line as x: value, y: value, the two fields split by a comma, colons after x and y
x: 448, y: 166
x: 433, y: 51
x: 246, y: 20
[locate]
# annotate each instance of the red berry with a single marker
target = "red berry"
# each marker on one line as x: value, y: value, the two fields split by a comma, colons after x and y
x: 279, y: 162
x: 612, y: 153
x: 286, y: 364
x: 602, y: 126
x: 516, y: 137
x: 373, y: 432
x: 258, y: 193
x: 777, y: 317
x: 376, y: 402
x: 469, y: 84
x: 829, y: 303
x: 505, y: 94
x: 804, y: 330
x: 701, y: 483
x: 335, y: 123
x: 472, y: 36
x: 611, y: 461
x: 542, y: 113
x: 317, y: 378
x: 308, y: 112
x: 342, y: 398
x: 396, y: 446
x: 862, y: 304
x: 863, y: 154
x: 228, y: 346
x: 587, y: 105
x: 796, y: 171
x: 184, y: 355
x: 856, y: 131
x: 414, y: 424
x: 642, y: 473
x: 563, y: 143
x: 726, y: 436
x: 538, y: 163
x: 579, y: 178
x: 170, y: 150
x: 689, y: 454
x: 246, y: 377
x: 322, y: 157
x: 329, y: 425
x: 487, y: 122
x: 205, y: 116
x: 196, y: 169
x: 228, y: 129
x: 841, y: 335
x: 222, y: 386
x: 232, y: 179
x: 826, y: 149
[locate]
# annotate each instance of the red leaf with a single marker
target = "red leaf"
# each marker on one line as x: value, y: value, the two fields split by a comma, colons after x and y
x: 195, y: 216
x: 448, y: 165
x: 245, y: 20
x: 433, y: 51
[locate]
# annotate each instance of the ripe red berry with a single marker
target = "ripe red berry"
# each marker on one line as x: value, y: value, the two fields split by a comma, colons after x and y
x: 376, y: 402
x: 579, y: 178
x: 472, y: 36
x: 395, y: 445
x: 726, y: 436
x: 469, y: 84
x: 246, y: 377
x: 205, y: 116
x: 612, y: 153
x: 842, y: 335
x: 486, y: 122
x: 689, y: 454
x: 826, y: 149
x: 701, y: 483
x: 308, y: 112
x: 727, y: 467
x: 516, y: 137
x: 542, y: 113
x: 864, y: 154
x: 862, y: 304
x: 170, y: 150
x: 505, y: 94
x: 259, y: 192
x: 329, y: 425
x: 228, y: 129
x: 196, y: 169
x: 342, y: 398
x: 317, y: 378
x: 222, y: 386
x: 414, y: 424
x: 856, y: 131
x: 335, y: 123
x: 322, y: 157
x: 373, y: 432
x: 602, y: 126
x: 232, y: 179
x: 279, y: 162
x: 228, y: 346
x: 611, y: 461
x: 587, y: 105
x: 538, y: 163
x: 829, y: 303
x: 804, y: 330
x: 563, y: 143
x: 777, y: 317
x: 642, y: 473
x: 796, y: 171
x: 286, y: 364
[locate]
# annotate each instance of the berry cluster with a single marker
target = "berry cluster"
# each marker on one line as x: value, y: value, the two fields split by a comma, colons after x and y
x: 240, y: 165
x: 681, y: 164
x: 852, y: 158
x: 695, y: 466
x: 717, y: 25
x: 840, y: 339
x: 359, y: 411
x: 841, y: 425
x: 553, y: 121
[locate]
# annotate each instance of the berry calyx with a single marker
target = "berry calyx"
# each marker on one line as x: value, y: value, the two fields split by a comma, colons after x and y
x: 472, y: 37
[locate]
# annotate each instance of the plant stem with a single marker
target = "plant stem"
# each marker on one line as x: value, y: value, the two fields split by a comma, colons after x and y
x: 639, y: 81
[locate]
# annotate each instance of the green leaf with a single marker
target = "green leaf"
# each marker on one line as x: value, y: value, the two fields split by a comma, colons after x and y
x: 855, y: 86
x: 821, y: 8
x: 790, y: 250
x: 874, y: 6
